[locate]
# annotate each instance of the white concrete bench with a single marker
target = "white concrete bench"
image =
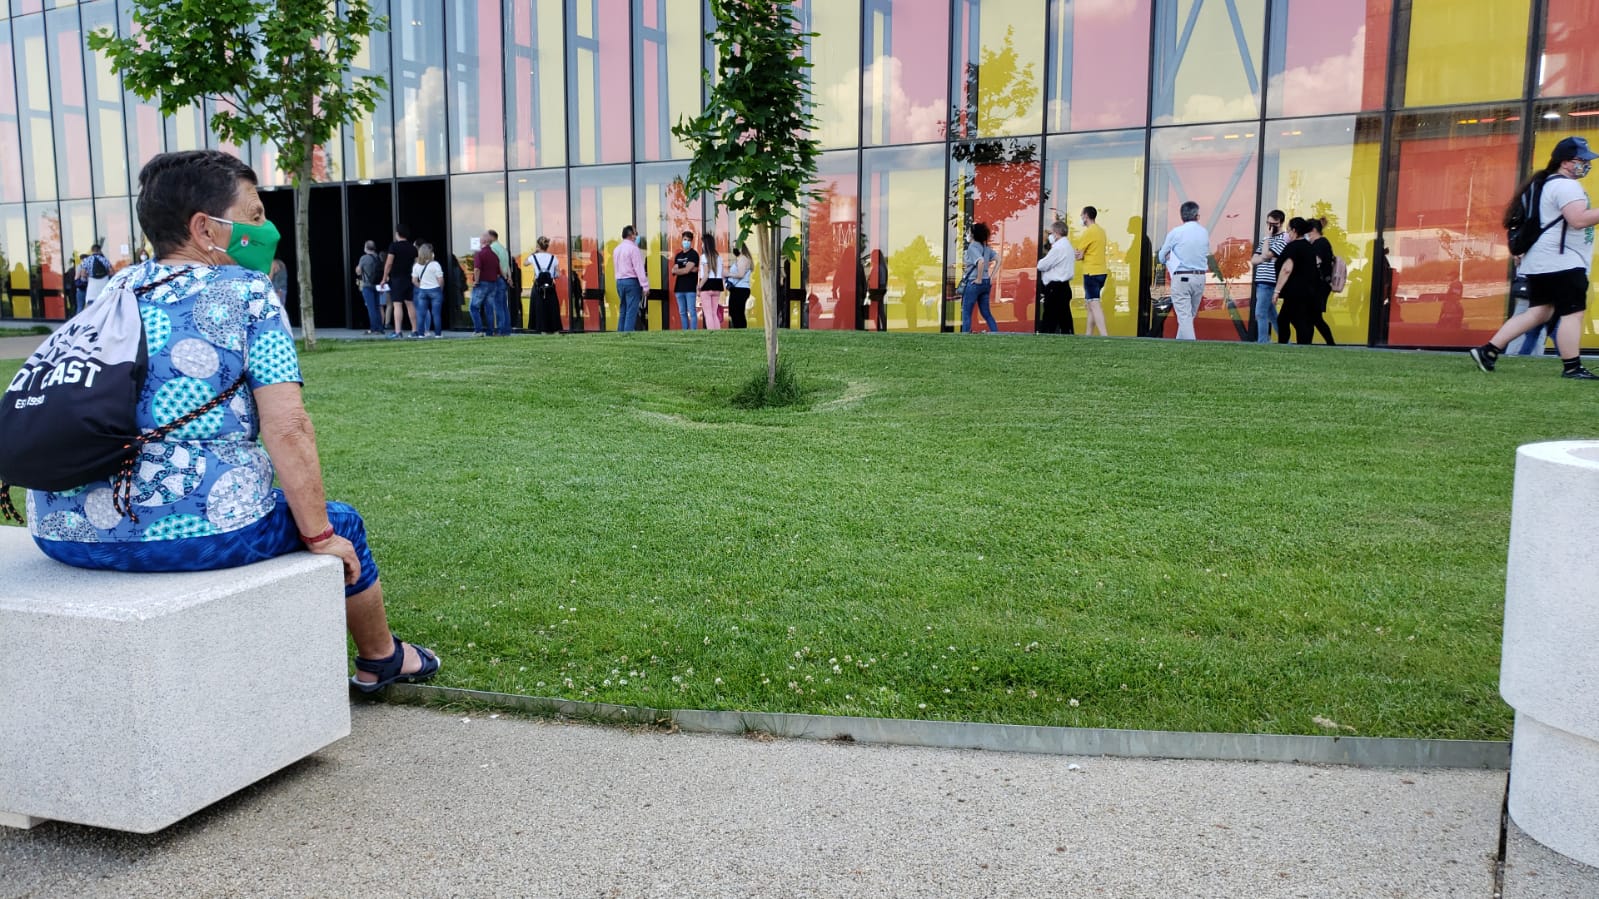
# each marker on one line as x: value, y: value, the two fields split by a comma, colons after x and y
x: 1549, y: 672
x: 131, y: 701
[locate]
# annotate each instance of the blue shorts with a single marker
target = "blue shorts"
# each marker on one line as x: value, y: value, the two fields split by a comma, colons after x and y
x: 1093, y: 285
x: 274, y: 535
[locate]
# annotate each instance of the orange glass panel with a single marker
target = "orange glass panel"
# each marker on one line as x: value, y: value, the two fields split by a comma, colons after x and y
x: 1453, y: 175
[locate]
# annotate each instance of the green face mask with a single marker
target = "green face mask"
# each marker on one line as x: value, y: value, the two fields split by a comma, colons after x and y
x: 252, y: 246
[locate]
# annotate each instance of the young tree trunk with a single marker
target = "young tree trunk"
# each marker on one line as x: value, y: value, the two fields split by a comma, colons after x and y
x: 302, y: 249
x: 771, y: 255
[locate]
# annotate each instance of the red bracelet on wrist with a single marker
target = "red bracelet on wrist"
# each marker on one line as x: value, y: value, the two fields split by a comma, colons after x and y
x: 323, y: 537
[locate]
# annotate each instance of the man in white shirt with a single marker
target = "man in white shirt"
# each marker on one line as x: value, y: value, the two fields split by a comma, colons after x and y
x: 1055, y: 272
x: 1557, y: 265
x: 1186, y: 255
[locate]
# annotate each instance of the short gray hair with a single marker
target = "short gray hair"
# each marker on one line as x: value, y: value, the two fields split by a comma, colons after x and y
x: 1189, y: 211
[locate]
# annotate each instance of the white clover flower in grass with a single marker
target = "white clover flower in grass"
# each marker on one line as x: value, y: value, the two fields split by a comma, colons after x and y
x: 718, y: 682
x: 921, y: 705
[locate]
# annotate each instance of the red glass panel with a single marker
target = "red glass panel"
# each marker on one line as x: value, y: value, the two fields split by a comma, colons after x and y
x: 906, y: 94
x: 1333, y: 58
x: 1570, y: 60
x: 834, y: 289
x: 1089, y: 41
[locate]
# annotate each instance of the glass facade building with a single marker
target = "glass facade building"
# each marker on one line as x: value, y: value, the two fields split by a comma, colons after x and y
x: 1407, y: 124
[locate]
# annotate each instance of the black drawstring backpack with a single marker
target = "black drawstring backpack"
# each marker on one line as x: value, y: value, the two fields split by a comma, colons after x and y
x: 69, y: 417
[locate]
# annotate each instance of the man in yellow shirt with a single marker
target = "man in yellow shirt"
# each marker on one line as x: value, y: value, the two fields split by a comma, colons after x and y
x: 1091, y: 250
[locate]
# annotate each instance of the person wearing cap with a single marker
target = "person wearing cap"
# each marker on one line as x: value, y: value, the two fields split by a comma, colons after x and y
x: 1557, y: 266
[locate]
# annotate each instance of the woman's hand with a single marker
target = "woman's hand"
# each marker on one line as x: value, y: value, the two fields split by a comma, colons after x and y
x: 345, y: 551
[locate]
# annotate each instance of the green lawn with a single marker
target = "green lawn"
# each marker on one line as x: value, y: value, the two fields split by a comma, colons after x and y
x: 1115, y: 533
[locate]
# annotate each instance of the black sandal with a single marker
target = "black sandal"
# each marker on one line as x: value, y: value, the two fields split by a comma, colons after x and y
x: 388, y: 669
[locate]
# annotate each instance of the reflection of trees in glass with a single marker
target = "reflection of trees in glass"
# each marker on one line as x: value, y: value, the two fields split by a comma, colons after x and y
x: 998, y: 89
x: 1005, y: 176
x: 822, y: 246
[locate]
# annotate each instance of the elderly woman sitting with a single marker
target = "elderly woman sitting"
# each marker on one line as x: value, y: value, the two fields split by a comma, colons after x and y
x: 202, y: 497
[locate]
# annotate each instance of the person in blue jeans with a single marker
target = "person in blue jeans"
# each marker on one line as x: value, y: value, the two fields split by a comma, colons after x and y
x: 427, y: 276
x: 1265, y: 263
x: 487, y: 293
x: 685, y: 282
x: 368, y: 274
x: 977, y: 275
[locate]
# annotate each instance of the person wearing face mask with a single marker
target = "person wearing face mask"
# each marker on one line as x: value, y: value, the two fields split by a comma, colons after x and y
x: 1055, y: 272
x: 1265, y: 263
x: 1557, y: 265
x: 203, y: 495
x: 685, y: 281
x: 1091, y: 250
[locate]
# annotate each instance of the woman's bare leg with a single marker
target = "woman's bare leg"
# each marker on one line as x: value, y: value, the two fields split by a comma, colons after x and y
x: 369, y: 625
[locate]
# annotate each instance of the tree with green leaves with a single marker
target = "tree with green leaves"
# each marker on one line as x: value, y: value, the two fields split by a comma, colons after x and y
x: 275, y: 69
x: 753, y: 141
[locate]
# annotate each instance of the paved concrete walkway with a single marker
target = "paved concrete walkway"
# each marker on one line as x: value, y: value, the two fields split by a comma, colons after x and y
x: 424, y: 803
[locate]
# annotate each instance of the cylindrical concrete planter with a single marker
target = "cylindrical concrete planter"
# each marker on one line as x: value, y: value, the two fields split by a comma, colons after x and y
x: 1550, y: 667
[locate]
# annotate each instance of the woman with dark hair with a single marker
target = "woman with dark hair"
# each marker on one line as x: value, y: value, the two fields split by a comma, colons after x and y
x: 201, y: 497
x: 1316, y: 314
x: 738, y: 286
x: 711, y: 282
x: 1298, y: 284
x: 1556, y: 266
x: 977, y: 273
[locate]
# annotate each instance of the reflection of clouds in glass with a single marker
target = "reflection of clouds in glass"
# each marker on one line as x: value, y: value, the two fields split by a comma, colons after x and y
x: 1331, y: 84
x: 834, y: 104
x: 1106, y: 10
x: 1211, y: 108
x: 902, y: 118
x: 421, y: 116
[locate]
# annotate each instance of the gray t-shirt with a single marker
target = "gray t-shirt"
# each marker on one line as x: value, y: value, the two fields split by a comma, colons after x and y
x: 976, y: 263
x: 1546, y: 255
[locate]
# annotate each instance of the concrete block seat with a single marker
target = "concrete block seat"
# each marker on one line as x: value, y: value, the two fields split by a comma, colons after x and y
x: 1549, y: 671
x: 130, y: 701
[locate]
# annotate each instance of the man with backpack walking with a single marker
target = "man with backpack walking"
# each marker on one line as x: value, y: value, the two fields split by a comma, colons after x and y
x: 1550, y: 227
x: 96, y: 270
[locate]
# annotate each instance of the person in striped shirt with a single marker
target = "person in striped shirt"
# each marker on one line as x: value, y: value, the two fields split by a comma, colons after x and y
x: 1265, y: 263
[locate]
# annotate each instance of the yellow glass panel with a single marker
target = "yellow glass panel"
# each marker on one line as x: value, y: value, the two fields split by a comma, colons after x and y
x: 1465, y: 51
x: 552, y: 98
x: 1215, y: 79
x: 1328, y: 169
x: 1108, y: 174
x: 904, y: 200
x: 835, y: 56
x: 1010, y: 68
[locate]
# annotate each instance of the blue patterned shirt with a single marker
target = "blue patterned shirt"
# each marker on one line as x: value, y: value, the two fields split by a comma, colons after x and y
x: 202, y: 328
